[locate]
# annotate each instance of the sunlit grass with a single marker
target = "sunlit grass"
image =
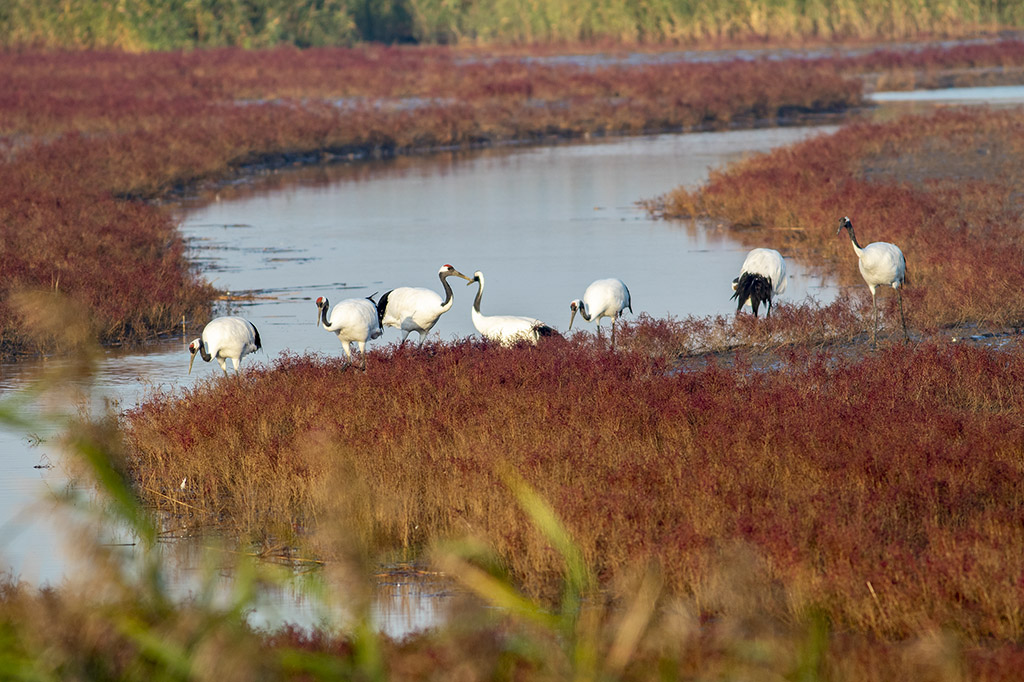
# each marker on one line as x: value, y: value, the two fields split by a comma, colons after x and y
x: 148, y: 25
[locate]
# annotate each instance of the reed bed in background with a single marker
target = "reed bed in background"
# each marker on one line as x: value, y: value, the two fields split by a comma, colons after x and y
x: 944, y: 188
x: 148, y: 25
x: 885, y: 492
x: 696, y: 23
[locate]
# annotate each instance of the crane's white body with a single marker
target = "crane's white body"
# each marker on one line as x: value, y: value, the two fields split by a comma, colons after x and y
x: 766, y: 263
x: 415, y: 309
x: 353, y: 320
x: 507, y: 330
x: 880, y: 264
x: 225, y: 338
x: 603, y: 298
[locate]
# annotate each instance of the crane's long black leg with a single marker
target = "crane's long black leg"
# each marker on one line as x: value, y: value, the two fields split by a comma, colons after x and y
x: 906, y: 335
x: 874, y: 319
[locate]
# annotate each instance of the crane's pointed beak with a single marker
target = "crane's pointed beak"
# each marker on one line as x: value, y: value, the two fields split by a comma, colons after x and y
x: 456, y: 273
x: 571, y: 318
x: 191, y: 360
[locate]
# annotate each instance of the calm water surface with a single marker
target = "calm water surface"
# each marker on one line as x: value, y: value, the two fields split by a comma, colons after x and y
x: 541, y: 223
x: 1005, y: 94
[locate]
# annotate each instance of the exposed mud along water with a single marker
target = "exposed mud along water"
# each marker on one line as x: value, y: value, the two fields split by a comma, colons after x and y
x: 540, y: 222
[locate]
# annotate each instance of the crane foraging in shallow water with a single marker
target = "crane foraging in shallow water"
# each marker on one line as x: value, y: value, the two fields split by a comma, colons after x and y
x: 224, y: 338
x: 603, y: 298
x: 881, y: 264
x: 762, y: 277
x: 507, y: 330
x: 415, y: 309
x: 353, y: 320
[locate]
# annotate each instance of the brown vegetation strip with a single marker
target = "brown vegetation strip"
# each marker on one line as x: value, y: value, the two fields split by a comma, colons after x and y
x: 901, y: 470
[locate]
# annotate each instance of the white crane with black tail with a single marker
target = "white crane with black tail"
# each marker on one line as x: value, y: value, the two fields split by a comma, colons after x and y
x: 881, y: 264
x: 354, y: 320
x: 415, y: 309
x: 508, y: 330
x: 603, y: 298
x: 223, y: 338
x: 762, y: 277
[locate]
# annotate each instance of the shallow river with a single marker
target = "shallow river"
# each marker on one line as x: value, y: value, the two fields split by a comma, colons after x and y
x: 541, y: 223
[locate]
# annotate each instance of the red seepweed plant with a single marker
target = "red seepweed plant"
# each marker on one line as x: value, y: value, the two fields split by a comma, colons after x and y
x: 882, y: 490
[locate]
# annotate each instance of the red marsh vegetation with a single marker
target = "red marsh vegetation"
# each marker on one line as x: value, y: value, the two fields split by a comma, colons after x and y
x: 975, y: 64
x: 944, y: 188
x: 885, y: 491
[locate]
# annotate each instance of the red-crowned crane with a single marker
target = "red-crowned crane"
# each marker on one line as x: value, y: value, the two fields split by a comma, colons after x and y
x: 881, y: 264
x: 223, y: 338
x: 603, y: 298
x: 762, y: 277
x: 415, y: 309
x: 508, y: 330
x: 354, y: 320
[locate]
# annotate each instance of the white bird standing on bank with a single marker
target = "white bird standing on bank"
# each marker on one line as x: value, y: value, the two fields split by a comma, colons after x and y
x: 354, y: 320
x: 223, y: 338
x: 881, y: 263
x: 603, y: 298
x: 415, y: 309
x: 762, y: 277
x: 506, y: 329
